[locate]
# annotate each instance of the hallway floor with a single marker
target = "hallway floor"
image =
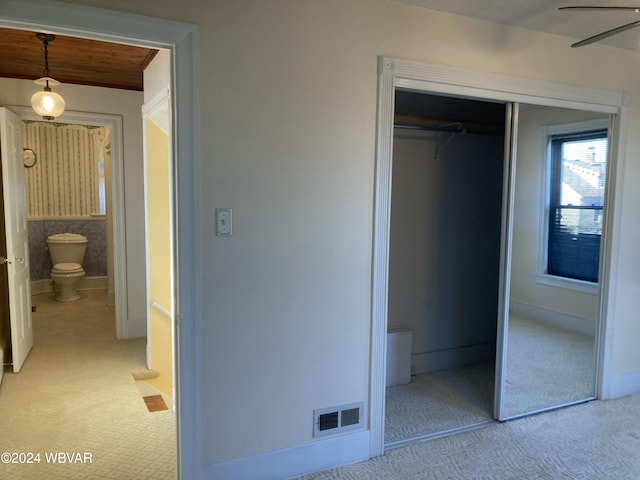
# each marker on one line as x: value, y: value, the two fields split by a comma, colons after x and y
x: 76, y: 402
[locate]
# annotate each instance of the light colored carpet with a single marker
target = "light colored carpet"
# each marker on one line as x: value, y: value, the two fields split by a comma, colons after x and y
x: 546, y: 366
x: 598, y: 440
x: 440, y: 401
x: 76, y: 393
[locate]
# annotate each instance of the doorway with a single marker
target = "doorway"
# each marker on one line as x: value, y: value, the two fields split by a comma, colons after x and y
x: 104, y: 228
x: 69, y: 156
x: 444, y: 258
x: 180, y: 40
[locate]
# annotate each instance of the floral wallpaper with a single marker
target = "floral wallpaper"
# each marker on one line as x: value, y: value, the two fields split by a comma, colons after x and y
x: 66, y: 180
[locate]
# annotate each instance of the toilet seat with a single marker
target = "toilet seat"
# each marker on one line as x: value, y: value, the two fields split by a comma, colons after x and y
x: 67, y: 268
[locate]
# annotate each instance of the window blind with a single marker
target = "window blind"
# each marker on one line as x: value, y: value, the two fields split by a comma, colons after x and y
x: 576, y: 203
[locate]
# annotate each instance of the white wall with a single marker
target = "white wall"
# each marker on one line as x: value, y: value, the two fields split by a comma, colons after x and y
x: 157, y: 75
x: 445, y: 246
x: 287, y: 139
x: 127, y: 104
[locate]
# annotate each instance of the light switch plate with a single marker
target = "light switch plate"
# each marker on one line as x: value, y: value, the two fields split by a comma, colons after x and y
x: 224, y: 223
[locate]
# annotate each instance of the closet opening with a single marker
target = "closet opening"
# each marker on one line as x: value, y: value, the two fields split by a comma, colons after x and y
x: 444, y: 264
x: 548, y: 335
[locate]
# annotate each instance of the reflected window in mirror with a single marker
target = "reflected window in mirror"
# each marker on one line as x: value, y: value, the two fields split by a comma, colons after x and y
x: 102, y: 193
x: 576, y: 166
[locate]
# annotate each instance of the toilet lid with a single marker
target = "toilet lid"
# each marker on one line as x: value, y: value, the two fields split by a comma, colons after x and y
x: 67, y: 268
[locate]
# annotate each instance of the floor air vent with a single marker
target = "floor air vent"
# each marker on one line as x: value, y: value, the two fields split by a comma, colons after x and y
x: 332, y: 420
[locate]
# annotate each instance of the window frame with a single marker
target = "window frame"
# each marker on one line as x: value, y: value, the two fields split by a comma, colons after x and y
x: 547, y: 133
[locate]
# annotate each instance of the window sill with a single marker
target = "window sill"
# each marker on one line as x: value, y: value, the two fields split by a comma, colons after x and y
x: 582, y: 286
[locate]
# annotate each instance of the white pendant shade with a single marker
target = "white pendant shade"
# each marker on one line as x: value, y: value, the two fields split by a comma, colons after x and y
x: 46, y: 103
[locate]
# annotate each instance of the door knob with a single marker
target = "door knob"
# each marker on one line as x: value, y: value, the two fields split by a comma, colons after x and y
x: 3, y: 260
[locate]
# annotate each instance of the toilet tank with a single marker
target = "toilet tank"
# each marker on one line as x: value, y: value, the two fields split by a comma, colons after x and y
x: 67, y: 248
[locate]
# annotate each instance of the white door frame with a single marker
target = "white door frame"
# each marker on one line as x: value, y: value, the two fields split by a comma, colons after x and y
x: 181, y: 40
x: 397, y: 73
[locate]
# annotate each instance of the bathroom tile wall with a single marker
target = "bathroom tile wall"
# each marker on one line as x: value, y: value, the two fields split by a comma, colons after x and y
x: 95, y: 260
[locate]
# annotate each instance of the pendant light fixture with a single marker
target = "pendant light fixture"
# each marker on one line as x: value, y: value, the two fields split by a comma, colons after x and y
x: 46, y: 103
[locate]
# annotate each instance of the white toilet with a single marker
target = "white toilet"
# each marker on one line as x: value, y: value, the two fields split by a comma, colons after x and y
x: 67, y: 254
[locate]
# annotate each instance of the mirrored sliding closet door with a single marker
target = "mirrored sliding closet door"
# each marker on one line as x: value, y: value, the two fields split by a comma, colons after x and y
x: 552, y: 263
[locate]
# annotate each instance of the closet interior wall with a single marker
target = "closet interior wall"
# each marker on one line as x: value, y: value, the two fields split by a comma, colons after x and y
x: 445, y: 243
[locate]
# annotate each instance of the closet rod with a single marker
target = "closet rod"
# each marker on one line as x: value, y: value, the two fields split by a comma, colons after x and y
x: 414, y: 122
x: 444, y: 129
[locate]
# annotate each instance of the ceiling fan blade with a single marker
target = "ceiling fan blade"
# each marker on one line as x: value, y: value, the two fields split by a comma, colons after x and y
x: 584, y: 7
x: 607, y: 34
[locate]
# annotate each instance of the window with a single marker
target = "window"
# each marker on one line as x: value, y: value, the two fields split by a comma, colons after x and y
x: 102, y: 194
x: 577, y: 170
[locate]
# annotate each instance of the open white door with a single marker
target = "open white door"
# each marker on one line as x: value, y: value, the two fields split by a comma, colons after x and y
x: 17, y: 260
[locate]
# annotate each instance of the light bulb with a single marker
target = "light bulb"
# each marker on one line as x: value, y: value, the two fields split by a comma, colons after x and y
x: 47, y: 104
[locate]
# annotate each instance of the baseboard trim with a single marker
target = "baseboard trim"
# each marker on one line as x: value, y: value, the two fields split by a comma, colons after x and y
x: 94, y: 283
x: 452, y: 358
x: 566, y: 321
x: 41, y: 286
x: 136, y: 328
x: 111, y: 297
x: 88, y: 283
x: 623, y: 385
x: 294, y: 462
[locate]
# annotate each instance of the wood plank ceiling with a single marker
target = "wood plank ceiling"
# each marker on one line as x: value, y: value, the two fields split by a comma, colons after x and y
x: 73, y: 60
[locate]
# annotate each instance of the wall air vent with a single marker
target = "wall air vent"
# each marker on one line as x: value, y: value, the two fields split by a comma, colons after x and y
x: 334, y: 420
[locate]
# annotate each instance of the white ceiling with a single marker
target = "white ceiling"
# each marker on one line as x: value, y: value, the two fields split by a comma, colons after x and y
x: 544, y: 16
